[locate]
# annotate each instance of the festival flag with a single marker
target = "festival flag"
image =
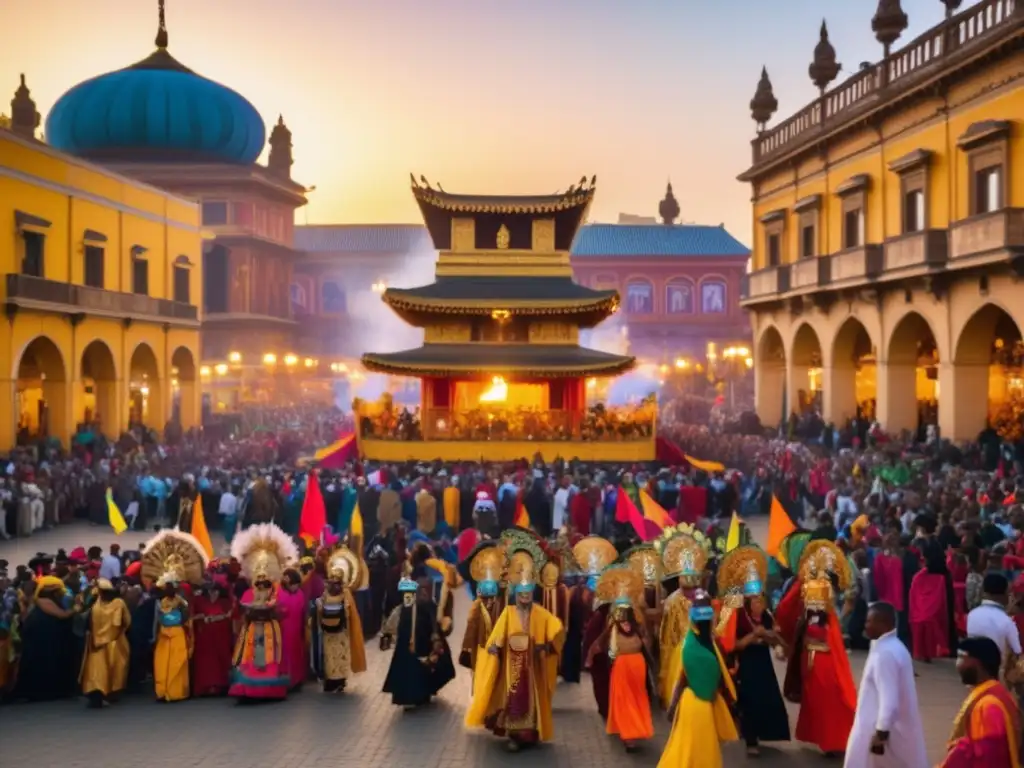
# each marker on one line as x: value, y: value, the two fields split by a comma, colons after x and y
x: 380, y: 477
x: 314, y: 513
x: 114, y: 515
x: 653, y: 511
x: 521, y: 517
x: 199, y: 531
x: 337, y: 454
x: 779, y: 527
x: 705, y: 466
x: 355, y: 526
x: 626, y: 512
x: 733, y: 539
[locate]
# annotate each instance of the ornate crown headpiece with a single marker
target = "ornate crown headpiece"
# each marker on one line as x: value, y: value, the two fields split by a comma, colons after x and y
x: 172, y: 557
x: 684, y: 553
x: 264, y: 551
x: 594, y: 554
x: 821, y: 561
x: 743, y: 571
x: 344, y: 566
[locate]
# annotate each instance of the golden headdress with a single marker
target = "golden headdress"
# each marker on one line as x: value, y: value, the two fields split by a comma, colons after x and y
x: 684, y: 553
x: 487, y: 565
x: 343, y: 565
x: 647, y: 562
x: 620, y: 584
x: 821, y: 561
x: 172, y: 557
x: 743, y: 571
x: 264, y: 551
x: 594, y: 554
x: 525, y: 557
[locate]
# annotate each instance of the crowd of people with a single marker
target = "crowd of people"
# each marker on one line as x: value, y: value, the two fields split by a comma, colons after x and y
x: 917, y: 542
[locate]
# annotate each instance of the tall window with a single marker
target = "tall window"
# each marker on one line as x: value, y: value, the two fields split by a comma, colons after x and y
x: 94, y: 266
x: 913, y: 210
x: 215, y: 213
x: 988, y: 189
x: 853, y: 228
x: 807, y: 242
x: 35, y: 247
x: 774, y: 250
x: 182, y: 292
x: 140, y: 277
x: 639, y: 297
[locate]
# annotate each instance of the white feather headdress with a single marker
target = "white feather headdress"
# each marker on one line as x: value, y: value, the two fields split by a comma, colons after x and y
x: 173, y: 556
x: 264, y: 551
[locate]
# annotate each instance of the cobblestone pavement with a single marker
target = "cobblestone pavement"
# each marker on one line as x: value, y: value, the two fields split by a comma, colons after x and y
x: 358, y: 728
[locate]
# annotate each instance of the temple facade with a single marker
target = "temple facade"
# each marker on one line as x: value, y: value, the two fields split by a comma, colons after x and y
x: 889, y: 231
x: 502, y: 373
x: 680, y: 282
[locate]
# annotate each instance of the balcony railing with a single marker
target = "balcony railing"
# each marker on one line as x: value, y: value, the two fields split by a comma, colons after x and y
x: 958, y: 37
x: 987, y: 235
x: 927, y: 249
x: 810, y: 273
x: 80, y: 298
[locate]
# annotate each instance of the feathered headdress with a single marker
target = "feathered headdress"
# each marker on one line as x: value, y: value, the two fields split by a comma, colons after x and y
x: 264, y: 551
x: 172, y: 557
x: 343, y: 565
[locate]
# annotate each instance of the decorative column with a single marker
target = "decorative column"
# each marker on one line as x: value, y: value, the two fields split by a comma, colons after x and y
x: 769, y: 391
x: 963, y: 400
x: 897, y: 395
x: 839, y: 392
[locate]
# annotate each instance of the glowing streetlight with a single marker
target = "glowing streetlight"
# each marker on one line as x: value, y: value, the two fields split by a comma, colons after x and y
x: 204, y: 371
x: 379, y: 287
x: 270, y: 359
x: 682, y: 363
x: 750, y: 362
x: 290, y: 360
x: 309, y: 362
x: 663, y: 368
x: 234, y: 357
x: 221, y: 369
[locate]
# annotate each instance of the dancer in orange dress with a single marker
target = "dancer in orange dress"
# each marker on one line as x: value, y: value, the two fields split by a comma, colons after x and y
x: 818, y: 675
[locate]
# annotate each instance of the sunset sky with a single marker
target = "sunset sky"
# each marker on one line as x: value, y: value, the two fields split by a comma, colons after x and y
x: 486, y: 96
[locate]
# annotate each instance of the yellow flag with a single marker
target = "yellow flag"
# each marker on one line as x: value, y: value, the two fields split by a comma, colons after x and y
x: 355, y: 527
x: 733, y: 539
x: 199, y: 531
x: 114, y: 515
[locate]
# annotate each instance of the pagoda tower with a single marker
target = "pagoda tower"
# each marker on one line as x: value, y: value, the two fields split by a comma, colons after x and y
x: 501, y: 328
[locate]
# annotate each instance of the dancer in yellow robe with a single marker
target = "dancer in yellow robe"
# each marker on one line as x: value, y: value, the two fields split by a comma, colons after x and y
x: 105, y: 663
x: 700, y: 710
x: 513, y: 691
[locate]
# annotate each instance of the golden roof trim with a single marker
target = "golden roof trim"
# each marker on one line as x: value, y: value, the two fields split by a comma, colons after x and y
x: 516, y: 306
x: 575, y: 197
x: 374, y: 364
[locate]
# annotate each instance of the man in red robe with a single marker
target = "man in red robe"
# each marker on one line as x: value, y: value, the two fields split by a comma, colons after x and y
x: 987, y: 729
x: 213, y: 615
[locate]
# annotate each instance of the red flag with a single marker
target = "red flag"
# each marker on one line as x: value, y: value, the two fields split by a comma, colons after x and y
x: 314, y: 513
x: 626, y: 512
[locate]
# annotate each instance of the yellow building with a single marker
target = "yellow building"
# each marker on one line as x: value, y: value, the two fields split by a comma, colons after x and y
x: 101, y: 289
x: 889, y: 230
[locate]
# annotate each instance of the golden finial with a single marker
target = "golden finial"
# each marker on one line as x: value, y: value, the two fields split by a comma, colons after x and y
x: 503, y: 238
x: 161, y: 33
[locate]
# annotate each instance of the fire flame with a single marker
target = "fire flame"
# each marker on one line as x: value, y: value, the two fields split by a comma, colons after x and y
x: 497, y: 392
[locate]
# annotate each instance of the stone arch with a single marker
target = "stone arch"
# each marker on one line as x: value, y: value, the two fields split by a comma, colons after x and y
x: 770, y: 375
x: 986, y: 371
x: 41, y: 376
x: 184, y: 388
x: 97, y: 401
x: 908, y: 387
x: 145, y: 391
x: 851, y: 386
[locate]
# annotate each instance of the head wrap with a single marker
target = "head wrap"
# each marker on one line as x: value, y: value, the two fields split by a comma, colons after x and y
x: 985, y: 651
x: 48, y: 582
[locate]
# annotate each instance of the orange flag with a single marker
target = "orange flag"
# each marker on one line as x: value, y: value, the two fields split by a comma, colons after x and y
x: 779, y: 527
x: 313, y: 517
x: 199, y: 531
x: 653, y: 511
x: 522, y: 517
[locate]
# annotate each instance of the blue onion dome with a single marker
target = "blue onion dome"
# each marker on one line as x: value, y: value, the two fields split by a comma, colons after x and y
x: 154, y: 111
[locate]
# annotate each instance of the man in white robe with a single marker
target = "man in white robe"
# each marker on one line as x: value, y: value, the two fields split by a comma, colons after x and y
x: 887, y: 730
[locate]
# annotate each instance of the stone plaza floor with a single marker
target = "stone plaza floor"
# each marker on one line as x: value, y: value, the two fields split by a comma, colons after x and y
x: 359, y: 727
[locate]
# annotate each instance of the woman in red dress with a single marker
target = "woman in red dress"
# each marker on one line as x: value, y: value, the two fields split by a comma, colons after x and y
x: 213, y: 613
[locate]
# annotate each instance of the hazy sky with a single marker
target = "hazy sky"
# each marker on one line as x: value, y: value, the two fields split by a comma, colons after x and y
x: 481, y: 95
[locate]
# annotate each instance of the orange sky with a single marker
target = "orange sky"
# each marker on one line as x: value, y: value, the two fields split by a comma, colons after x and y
x: 480, y: 95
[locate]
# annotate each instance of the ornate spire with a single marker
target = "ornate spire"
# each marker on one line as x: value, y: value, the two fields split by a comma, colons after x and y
x: 824, y: 68
x: 889, y: 23
x: 952, y: 6
x: 25, y: 118
x: 280, y: 160
x: 669, y: 207
x: 764, y: 104
x: 161, y: 32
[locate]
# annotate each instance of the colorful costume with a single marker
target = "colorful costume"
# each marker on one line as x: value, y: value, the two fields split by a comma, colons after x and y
x: 212, y: 627
x: 485, y: 568
x: 264, y: 550
x: 987, y: 730
x: 419, y: 667
x: 169, y: 559
x: 589, y: 557
x: 818, y: 675
x: 702, y: 720
x: 516, y: 678
x: 338, y: 645
x: 684, y: 554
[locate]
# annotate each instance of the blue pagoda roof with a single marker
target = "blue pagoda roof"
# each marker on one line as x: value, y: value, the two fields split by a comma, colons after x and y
x: 656, y: 240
